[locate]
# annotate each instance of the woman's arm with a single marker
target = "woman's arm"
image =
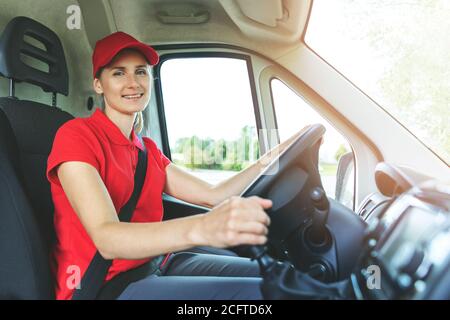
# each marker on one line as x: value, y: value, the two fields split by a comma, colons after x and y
x: 187, y: 187
x: 233, y: 222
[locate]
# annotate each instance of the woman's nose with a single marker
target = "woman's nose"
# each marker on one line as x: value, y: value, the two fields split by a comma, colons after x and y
x: 132, y: 81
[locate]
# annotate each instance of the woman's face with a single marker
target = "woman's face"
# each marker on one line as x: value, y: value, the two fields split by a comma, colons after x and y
x: 125, y: 83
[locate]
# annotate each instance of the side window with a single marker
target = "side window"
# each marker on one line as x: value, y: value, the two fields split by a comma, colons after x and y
x: 210, y: 115
x: 335, y: 158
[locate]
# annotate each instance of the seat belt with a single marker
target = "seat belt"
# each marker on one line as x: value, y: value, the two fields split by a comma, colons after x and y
x: 95, y: 275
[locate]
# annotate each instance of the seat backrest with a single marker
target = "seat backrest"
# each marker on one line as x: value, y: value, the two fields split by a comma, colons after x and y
x: 27, y: 131
x: 24, y: 263
x: 34, y: 126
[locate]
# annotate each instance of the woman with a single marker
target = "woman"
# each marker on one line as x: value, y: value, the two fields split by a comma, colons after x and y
x: 91, y: 169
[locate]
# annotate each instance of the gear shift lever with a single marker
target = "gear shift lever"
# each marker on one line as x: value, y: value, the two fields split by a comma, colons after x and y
x: 258, y: 253
x: 317, y: 235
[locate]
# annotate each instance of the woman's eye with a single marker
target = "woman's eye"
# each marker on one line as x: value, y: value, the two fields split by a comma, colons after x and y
x: 118, y: 73
x: 141, y: 72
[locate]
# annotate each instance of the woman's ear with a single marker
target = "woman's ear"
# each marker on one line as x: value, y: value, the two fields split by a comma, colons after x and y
x: 97, y: 86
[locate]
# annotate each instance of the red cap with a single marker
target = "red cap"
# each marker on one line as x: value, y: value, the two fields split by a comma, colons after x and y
x: 107, y: 48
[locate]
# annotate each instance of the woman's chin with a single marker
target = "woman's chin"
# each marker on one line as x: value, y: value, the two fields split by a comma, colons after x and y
x: 133, y: 107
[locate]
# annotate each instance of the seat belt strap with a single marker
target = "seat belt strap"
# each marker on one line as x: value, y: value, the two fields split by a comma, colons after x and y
x: 95, y: 275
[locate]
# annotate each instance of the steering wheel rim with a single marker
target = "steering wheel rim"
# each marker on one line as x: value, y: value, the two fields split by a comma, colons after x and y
x: 307, y: 137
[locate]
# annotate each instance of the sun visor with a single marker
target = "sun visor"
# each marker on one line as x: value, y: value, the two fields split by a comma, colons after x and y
x: 281, y: 21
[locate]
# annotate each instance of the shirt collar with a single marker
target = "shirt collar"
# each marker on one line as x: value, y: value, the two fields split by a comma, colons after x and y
x: 113, y: 132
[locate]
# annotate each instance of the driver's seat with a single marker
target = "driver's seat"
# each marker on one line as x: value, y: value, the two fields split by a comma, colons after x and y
x: 27, y: 130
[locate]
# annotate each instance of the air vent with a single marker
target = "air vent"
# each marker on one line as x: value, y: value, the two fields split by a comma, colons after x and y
x: 372, y: 206
x: 366, y: 208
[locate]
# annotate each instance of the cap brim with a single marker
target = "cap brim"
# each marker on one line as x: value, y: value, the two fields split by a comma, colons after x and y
x: 149, y: 53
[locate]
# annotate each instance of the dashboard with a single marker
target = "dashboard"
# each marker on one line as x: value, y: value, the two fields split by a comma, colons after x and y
x: 407, y: 254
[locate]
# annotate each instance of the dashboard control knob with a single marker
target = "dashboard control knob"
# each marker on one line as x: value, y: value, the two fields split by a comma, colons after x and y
x: 318, y: 271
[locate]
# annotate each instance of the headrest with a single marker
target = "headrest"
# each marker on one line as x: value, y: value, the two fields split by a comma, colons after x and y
x: 16, y: 43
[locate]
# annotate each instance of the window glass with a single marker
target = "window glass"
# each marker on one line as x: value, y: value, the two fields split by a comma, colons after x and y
x: 210, y: 115
x: 398, y: 53
x: 293, y: 113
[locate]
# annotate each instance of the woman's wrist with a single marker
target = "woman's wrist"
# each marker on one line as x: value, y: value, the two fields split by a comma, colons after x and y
x: 196, y: 234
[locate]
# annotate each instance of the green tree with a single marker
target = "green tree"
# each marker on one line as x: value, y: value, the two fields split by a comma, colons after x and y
x: 219, y: 155
x: 340, y: 152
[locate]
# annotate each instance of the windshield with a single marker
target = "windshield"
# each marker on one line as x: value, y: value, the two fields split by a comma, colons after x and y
x: 398, y: 53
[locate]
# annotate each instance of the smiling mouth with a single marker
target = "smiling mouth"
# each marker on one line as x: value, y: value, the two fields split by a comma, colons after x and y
x: 133, y: 96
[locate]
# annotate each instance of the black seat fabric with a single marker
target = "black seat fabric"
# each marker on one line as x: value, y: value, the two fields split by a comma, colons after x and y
x: 34, y: 126
x: 24, y: 264
x: 27, y: 131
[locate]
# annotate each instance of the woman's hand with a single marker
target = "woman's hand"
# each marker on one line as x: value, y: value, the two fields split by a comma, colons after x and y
x: 236, y: 221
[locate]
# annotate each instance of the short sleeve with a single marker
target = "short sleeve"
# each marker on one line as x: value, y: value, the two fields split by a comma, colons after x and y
x: 73, y: 142
x: 157, y: 153
x: 164, y: 160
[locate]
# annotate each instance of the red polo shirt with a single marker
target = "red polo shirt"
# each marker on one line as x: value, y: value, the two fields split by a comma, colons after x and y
x: 99, y: 142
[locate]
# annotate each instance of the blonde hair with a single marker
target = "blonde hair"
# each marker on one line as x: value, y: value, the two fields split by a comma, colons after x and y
x: 139, y: 122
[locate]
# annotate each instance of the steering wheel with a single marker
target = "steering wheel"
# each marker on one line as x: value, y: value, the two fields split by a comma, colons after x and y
x: 316, y: 234
x: 287, y: 181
